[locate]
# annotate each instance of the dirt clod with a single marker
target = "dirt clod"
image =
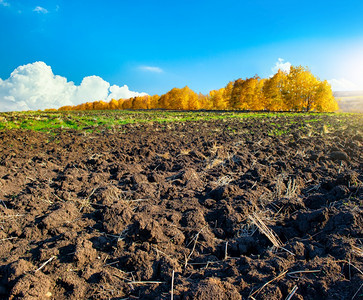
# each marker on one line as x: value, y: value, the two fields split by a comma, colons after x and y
x: 115, y: 213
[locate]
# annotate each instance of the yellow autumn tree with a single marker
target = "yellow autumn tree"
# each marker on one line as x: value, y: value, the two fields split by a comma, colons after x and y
x: 247, y: 94
x: 140, y: 102
x: 179, y: 99
x: 127, y: 104
x: 255, y: 96
x: 66, y: 108
x: 217, y: 99
x: 153, y: 101
x: 305, y: 92
x: 113, y: 104
x: 204, y: 101
x: 79, y: 107
x: 192, y: 99
x: 324, y: 100
x: 273, y: 92
x: 228, y: 92
x: 100, y: 105
x: 120, y: 103
x: 296, y: 90
x: 236, y: 98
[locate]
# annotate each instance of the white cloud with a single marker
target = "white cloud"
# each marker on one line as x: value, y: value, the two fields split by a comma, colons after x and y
x: 92, y: 88
x: 151, y: 69
x: 281, y: 65
x: 117, y: 92
x: 40, y: 10
x: 343, y: 84
x: 34, y: 86
x: 4, y: 3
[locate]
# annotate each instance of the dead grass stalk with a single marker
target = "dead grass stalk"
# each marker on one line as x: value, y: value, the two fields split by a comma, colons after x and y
x: 293, y: 291
x: 269, y: 233
x: 282, y: 274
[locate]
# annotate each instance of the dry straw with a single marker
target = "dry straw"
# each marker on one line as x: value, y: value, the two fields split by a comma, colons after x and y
x: 269, y: 233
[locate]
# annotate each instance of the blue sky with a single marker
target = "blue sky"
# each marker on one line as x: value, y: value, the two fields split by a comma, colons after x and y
x: 153, y: 46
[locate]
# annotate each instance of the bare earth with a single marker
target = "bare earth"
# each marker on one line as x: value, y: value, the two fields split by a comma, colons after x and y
x: 228, y: 208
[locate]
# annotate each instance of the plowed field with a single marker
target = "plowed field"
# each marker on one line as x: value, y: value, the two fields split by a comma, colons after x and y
x: 260, y: 207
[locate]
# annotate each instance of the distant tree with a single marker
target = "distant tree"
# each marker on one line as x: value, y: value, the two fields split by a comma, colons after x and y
x: 100, y: 105
x: 217, y: 99
x: 204, y: 101
x: 66, y: 108
x: 179, y: 99
x: 89, y: 106
x: 247, y: 94
x: 297, y: 90
x: 127, y: 104
x: 236, y: 99
x: 324, y: 99
x: 273, y: 92
x: 113, y: 104
x: 300, y: 89
x: 254, y: 94
x: 228, y: 92
x: 140, y: 102
x: 79, y: 107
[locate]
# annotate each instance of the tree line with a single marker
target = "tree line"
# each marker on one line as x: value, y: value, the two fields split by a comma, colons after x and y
x: 296, y: 90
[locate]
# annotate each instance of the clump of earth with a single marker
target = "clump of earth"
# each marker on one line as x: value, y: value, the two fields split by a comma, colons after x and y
x: 224, y: 209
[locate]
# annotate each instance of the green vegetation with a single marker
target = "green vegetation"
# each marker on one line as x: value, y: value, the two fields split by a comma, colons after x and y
x: 96, y: 120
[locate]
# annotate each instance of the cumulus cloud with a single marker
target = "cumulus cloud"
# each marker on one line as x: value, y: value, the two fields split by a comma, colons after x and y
x: 151, y: 69
x: 40, y: 10
x: 117, y: 92
x: 34, y: 86
x: 92, y: 88
x: 281, y: 65
x: 343, y: 84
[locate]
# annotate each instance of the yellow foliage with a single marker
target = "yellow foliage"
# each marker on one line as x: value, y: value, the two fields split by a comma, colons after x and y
x: 218, y: 100
x: 297, y: 90
x: 247, y: 94
x: 113, y: 104
x: 273, y: 92
x: 180, y: 99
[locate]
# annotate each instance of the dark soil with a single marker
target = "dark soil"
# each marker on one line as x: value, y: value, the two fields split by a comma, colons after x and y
x: 114, y: 214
